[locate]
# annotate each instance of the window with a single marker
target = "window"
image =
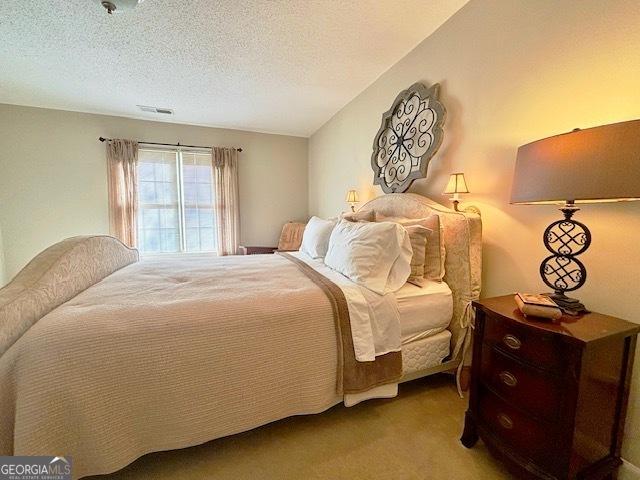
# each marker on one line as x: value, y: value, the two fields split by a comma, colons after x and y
x: 175, y: 201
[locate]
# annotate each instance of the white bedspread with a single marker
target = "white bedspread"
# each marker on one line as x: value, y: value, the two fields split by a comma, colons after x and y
x: 168, y: 353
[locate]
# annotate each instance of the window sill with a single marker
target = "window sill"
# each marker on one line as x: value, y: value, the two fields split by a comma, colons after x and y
x: 176, y: 254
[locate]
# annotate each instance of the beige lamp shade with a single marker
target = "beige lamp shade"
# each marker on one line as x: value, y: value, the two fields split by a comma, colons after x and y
x: 600, y: 164
x: 457, y: 184
x: 352, y: 196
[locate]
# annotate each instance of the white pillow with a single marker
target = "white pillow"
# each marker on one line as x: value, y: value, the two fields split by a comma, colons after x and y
x: 435, y: 252
x: 374, y: 255
x: 315, y: 239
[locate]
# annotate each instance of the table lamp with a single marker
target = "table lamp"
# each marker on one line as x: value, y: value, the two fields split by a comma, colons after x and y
x: 352, y: 198
x: 457, y: 185
x: 594, y: 165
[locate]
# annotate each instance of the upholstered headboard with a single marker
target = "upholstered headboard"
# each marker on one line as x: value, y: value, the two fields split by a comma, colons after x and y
x: 462, y: 232
x: 55, y: 276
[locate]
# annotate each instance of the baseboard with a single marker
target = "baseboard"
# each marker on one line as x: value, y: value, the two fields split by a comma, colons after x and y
x: 628, y: 471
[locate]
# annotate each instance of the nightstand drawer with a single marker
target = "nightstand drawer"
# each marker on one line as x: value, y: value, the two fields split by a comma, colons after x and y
x: 523, y: 386
x: 527, y: 437
x: 544, y: 351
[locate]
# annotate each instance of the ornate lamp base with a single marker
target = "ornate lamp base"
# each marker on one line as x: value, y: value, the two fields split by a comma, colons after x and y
x: 561, y: 271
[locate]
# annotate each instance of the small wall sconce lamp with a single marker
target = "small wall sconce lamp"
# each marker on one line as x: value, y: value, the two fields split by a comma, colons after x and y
x: 352, y: 198
x: 457, y: 185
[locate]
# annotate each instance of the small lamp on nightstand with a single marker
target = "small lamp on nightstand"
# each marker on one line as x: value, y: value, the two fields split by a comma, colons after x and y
x: 352, y: 198
x: 457, y: 185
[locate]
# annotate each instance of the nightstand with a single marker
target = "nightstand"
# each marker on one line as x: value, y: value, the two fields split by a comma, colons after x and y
x: 255, y: 250
x: 549, y: 398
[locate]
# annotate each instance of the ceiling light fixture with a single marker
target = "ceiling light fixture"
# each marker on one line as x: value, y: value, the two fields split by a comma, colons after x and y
x: 118, y: 6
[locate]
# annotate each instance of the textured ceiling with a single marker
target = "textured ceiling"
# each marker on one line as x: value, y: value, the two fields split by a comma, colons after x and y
x: 273, y: 66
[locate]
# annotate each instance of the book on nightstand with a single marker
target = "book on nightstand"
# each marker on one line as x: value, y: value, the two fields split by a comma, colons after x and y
x: 537, y: 305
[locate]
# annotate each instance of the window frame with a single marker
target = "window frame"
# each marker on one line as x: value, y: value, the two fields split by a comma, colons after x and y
x: 181, y: 206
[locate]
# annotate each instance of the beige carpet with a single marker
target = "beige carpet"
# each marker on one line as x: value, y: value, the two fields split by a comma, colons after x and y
x: 414, y: 436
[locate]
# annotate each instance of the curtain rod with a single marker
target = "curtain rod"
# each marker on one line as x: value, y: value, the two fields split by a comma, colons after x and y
x: 103, y: 139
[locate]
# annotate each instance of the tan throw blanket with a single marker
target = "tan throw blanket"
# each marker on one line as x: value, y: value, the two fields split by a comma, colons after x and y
x: 168, y: 353
x: 353, y: 376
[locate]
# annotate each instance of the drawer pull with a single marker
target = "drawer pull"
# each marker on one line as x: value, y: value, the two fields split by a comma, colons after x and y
x: 508, y: 379
x: 505, y: 421
x: 512, y: 341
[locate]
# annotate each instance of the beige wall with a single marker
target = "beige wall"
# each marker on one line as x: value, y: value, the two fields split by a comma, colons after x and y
x: 2, y: 270
x: 511, y: 72
x: 53, y: 176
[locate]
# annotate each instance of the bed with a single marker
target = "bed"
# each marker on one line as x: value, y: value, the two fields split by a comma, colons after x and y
x: 106, y: 358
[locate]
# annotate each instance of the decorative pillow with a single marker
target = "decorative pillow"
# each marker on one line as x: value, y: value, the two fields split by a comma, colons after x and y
x: 315, y: 239
x: 418, y: 236
x: 374, y: 255
x: 368, y: 216
x: 291, y: 236
x: 434, y: 251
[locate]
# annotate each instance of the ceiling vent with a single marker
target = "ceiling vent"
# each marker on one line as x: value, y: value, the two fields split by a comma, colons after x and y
x: 163, y: 111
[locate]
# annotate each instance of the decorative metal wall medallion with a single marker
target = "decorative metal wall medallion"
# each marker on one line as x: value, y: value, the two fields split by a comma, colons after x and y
x: 410, y: 134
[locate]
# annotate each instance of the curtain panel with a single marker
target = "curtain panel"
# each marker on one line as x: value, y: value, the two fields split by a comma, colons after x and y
x: 122, y: 162
x: 226, y: 203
